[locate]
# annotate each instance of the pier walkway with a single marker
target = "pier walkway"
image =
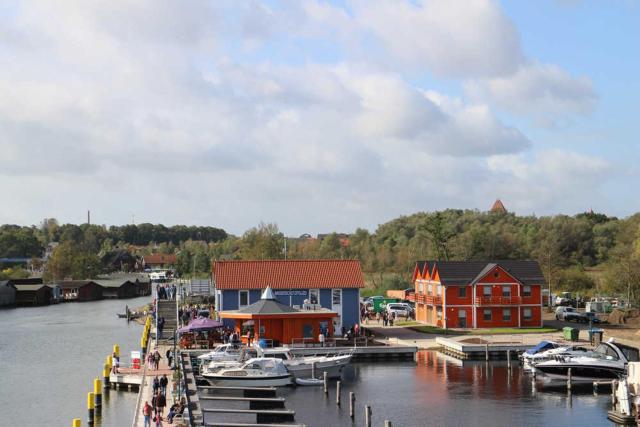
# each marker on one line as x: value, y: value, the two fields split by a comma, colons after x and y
x: 146, y: 389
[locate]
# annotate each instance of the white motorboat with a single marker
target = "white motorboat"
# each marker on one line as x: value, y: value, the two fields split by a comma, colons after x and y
x: 607, y: 362
x: 302, y: 366
x: 309, y: 381
x: 548, y: 350
x: 223, y: 352
x: 256, y: 372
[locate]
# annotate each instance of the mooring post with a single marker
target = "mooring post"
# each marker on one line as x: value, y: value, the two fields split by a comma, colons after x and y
x: 90, y: 408
x: 76, y: 422
x: 486, y: 352
x: 338, y: 393
x: 595, y: 387
x: 367, y: 416
x: 614, y: 386
x: 106, y: 371
x: 313, y: 370
x: 325, y: 382
x: 352, y: 404
x: 388, y: 423
x: 508, y: 360
x: 569, y: 379
x: 97, y: 392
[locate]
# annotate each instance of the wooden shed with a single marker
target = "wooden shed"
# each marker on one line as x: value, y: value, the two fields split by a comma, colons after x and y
x: 33, y: 294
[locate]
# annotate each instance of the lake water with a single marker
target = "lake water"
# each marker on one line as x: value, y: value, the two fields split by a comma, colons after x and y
x: 441, y: 391
x: 50, y: 355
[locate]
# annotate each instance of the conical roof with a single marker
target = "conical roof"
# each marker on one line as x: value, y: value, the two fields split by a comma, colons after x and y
x: 267, y: 305
x: 498, y: 206
x: 268, y: 294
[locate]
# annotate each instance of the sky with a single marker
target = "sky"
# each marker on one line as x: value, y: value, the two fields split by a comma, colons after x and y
x: 316, y: 115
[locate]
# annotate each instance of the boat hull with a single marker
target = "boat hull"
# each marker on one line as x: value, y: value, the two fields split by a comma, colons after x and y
x: 304, y: 370
x: 260, y: 381
x: 580, y: 373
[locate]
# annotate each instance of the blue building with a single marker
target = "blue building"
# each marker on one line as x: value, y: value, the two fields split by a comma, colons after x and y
x: 331, y: 284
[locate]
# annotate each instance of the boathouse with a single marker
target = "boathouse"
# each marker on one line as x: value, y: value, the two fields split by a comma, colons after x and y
x: 34, y: 294
x: 301, y: 284
x: 80, y: 290
x: 478, y: 294
x: 158, y: 261
x: 118, y: 288
x: 280, y: 323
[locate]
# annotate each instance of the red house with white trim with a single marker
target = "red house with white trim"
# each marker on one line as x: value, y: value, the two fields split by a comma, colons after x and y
x: 478, y: 294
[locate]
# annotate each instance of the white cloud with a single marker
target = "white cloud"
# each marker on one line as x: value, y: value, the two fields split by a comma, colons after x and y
x: 544, y: 91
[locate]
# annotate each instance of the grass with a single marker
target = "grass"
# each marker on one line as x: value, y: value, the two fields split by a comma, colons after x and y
x: 491, y: 331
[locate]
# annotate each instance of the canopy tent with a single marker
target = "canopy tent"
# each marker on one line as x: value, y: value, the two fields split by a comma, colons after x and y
x: 201, y: 324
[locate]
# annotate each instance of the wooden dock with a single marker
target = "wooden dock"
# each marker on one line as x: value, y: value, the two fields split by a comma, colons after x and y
x: 480, y: 349
x: 369, y: 353
x: 126, y: 379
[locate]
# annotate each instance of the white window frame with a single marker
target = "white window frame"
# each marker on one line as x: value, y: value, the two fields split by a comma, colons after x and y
x: 334, y: 292
x: 439, y: 290
x: 486, y: 288
x: 524, y: 314
x: 240, y: 292
x: 526, y: 291
x: 506, y: 310
x: 317, y: 292
x: 429, y: 289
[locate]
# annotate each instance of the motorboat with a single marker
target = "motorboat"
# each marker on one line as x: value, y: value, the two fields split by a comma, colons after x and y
x: 256, y: 372
x: 302, y: 366
x: 223, y: 352
x: 548, y: 350
x: 607, y: 362
x: 299, y: 366
x: 309, y: 381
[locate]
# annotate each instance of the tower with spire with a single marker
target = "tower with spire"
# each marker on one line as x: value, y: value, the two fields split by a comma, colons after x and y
x: 498, y: 207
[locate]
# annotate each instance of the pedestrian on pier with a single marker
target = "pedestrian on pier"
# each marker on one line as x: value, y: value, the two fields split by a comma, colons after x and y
x: 150, y: 362
x: 156, y: 385
x: 116, y: 362
x: 169, y: 356
x: 146, y: 412
x: 163, y: 384
x: 160, y: 327
x: 161, y: 402
x: 156, y: 359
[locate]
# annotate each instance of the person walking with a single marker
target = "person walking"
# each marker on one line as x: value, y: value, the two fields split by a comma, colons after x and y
x: 160, y: 327
x: 163, y: 384
x: 161, y: 402
x: 156, y: 385
x: 169, y: 356
x: 156, y: 359
x: 146, y: 412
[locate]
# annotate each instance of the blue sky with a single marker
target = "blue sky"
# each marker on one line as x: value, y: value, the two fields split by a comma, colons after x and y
x: 318, y: 116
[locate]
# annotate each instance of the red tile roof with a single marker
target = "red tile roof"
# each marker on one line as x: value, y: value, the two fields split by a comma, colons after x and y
x: 159, y: 259
x: 288, y: 274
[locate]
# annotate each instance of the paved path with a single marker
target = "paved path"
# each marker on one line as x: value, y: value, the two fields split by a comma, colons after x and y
x: 403, y: 336
x: 147, y: 387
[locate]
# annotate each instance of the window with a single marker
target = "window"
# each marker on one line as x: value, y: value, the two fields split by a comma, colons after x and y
x: 462, y: 314
x: 506, y: 314
x: 526, y: 313
x: 506, y: 291
x: 244, y: 298
x: 486, y: 291
x: 526, y: 291
x: 439, y: 290
x: 439, y: 313
x: 314, y: 296
x: 486, y: 314
x: 420, y: 287
x: 462, y: 292
x: 429, y: 289
x: 307, y: 331
x: 336, y: 296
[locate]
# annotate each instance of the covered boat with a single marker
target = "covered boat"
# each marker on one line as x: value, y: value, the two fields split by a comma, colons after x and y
x: 257, y: 372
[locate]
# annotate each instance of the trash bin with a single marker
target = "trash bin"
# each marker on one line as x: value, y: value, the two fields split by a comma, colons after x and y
x: 262, y: 343
x: 571, y: 334
x: 595, y: 336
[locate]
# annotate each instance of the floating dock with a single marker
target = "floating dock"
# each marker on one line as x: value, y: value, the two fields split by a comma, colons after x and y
x: 481, y: 349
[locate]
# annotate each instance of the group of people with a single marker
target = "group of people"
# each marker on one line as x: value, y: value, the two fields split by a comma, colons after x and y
x: 155, y: 411
x: 166, y: 291
x: 153, y: 359
x: 229, y: 337
x: 190, y: 312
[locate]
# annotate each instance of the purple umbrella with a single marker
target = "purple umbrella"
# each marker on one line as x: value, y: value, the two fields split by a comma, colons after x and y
x: 201, y: 324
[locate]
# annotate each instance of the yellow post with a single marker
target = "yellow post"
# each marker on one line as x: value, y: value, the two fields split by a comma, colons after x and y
x: 90, y: 408
x: 76, y: 422
x: 116, y: 350
x: 110, y: 361
x: 97, y: 393
x: 106, y: 372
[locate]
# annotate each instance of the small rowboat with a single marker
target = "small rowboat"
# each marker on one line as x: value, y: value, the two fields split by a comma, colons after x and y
x: 309, y: 381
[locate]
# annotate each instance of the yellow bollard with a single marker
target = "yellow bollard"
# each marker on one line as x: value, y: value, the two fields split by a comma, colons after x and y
x: 91, y: 408
x: 106, y: 372
x: 76, y: 422
x: 116, y: 350
x: 97, y: 392
x: 110, y: 361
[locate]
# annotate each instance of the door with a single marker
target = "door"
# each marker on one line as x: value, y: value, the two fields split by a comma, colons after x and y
x: 336, y: 305
x: 462, y: 318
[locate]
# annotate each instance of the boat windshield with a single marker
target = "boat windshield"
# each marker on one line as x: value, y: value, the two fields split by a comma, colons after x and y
x: 606, y: 352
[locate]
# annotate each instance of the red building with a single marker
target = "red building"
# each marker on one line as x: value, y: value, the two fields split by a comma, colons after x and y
x: 478, y: 294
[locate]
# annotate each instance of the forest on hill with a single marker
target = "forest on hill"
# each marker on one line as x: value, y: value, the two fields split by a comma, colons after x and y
x: 589, y: 253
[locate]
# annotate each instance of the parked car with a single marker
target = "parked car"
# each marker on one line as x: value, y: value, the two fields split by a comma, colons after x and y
x: 570, y: 314
x: 399, y: 308
x: 565, y: 299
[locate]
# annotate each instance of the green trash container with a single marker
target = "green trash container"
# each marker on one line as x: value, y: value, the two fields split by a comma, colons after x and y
x: 575, y: 334
x: 570, y: 334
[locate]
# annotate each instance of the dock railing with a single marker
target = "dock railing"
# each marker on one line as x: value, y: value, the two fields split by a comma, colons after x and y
x: 139, y: 399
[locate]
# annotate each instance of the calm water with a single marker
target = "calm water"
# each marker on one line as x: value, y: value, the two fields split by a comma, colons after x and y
x: 50, y: 355
x: 440, y: 391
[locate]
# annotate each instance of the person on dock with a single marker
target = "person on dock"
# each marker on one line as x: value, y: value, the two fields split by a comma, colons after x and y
x: 169, y: 356
x: 146, y: 413
x: 163, y: 384
x: 160, y: 327
x: 176, y: 409
x: 150, y: 362
x: 161, y: 402
x: 156, y: 359
x: 116, y: 362
x: 156, y: 385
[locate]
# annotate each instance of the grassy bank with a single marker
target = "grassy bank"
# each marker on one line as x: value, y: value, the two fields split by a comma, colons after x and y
x: 418, y: 327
